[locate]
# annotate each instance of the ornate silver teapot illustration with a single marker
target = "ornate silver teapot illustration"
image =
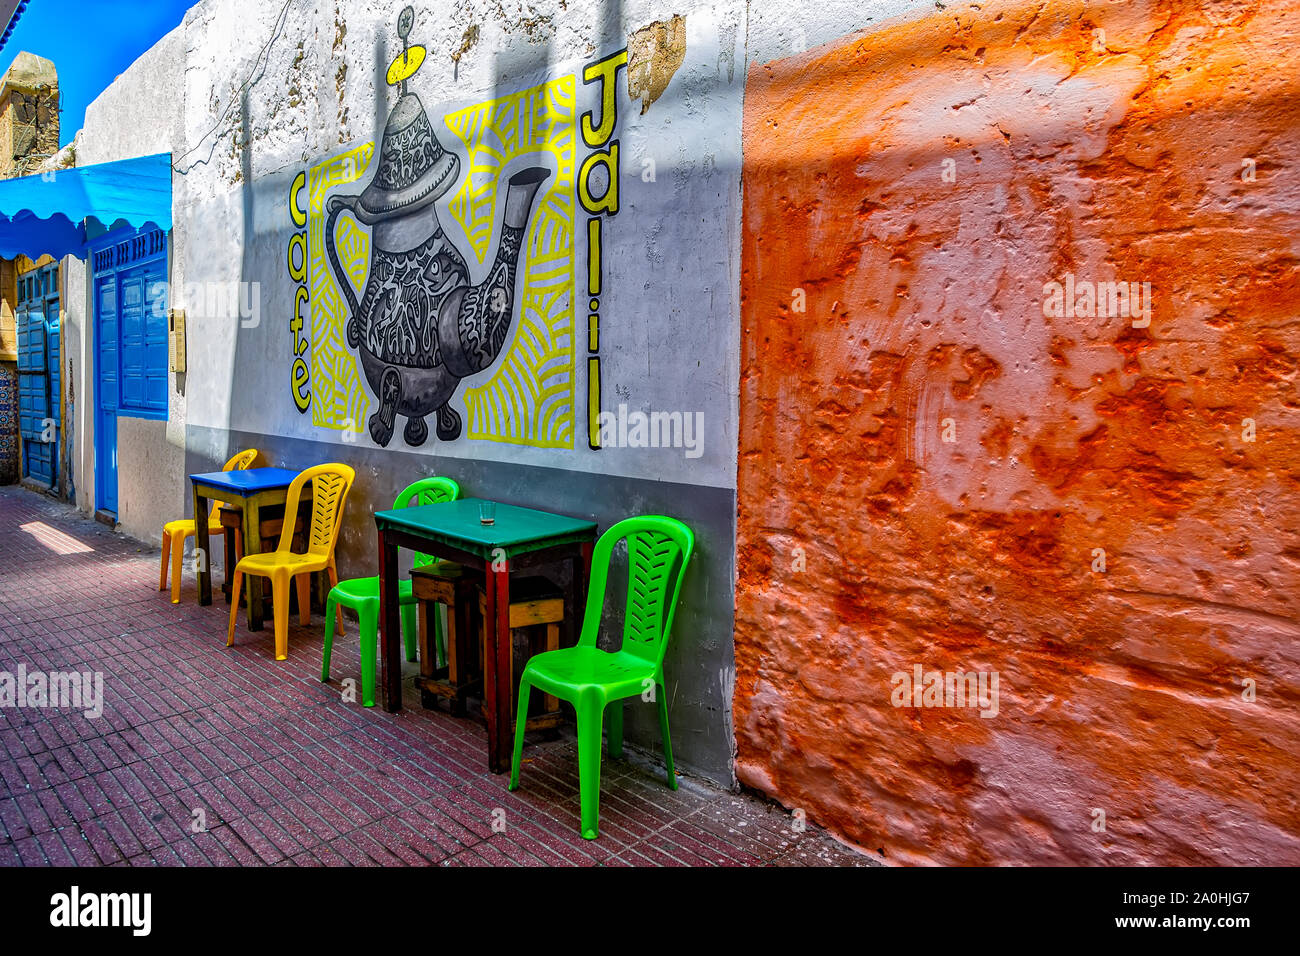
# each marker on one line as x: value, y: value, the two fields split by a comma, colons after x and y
x: 421, y: 327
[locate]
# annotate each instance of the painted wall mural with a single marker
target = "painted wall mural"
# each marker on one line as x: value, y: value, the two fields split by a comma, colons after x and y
x: 388, y: 321
x: 530, y: 398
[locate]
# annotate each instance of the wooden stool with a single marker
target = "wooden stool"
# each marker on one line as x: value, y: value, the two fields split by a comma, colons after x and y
x: 272, y: 523
x: 445, y: 583
x: 534, y: 602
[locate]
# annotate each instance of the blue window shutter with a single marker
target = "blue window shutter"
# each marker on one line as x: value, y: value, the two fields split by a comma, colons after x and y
x: 135, y: 359
x: 109, y: 386
x: 133, y: 333
x: 156, y: 340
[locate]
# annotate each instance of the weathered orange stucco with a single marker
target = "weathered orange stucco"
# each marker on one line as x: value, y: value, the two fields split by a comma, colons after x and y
x: 869, y: 544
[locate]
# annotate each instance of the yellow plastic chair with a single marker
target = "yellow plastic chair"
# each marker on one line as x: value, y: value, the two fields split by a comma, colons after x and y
x: 329, y: 490
x: 175, y: 533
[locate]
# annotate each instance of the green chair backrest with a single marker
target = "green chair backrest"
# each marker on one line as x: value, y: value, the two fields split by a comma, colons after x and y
x: 657, y: 546
x: 426, y: 491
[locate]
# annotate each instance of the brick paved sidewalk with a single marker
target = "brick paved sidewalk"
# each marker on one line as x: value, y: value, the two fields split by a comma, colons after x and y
x: 282, y: 769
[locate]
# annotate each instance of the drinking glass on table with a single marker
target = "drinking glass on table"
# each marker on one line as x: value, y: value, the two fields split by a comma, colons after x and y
x: 487, y: 512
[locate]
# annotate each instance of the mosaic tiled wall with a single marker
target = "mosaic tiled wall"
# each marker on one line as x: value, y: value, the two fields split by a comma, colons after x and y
x: 8, y: 423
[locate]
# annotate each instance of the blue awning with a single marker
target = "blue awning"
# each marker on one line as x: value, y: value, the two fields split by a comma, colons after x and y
x: 10, y: 11
x: 48, y: 213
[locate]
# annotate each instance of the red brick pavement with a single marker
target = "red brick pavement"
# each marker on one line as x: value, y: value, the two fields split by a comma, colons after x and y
x: 283, y: 770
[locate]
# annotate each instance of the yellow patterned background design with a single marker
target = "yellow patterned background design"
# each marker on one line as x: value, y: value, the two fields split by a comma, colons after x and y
x: 530, y: 398
x: 338, y: 399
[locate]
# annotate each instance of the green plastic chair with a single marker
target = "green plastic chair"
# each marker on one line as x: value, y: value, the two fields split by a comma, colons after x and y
x: 362, y: 595
x: 592, y: 679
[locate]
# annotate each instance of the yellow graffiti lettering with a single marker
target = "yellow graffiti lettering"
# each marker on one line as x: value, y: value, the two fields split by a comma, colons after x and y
x: 593, y: 256
x: 608, y: 203
x: 604, y: 72
x: 298, y: 244
x: 593, y: 402
x: 295, y: 324
x: 296, y: 259
x: 300, y: 377
x: 296, y: 212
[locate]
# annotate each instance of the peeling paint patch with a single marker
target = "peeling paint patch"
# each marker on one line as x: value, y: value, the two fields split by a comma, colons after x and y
x: 341, y: 75
x: 467, y: 42
x: 654, y: 54
x: 727, y: 50
x: 294, y: 81
x: 537, y: 27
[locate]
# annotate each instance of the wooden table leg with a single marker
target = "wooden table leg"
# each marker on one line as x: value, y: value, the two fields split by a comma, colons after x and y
x: 496, y: 666
x: 505, y: 677
x: 390, y: 620
x: 202, y: 549
x: 587, y: 548
x: 462, y: 643
x: 580, y: 576
x: 253, y: 545
x: 551, y: 705
x: 428, y: 642
x: 490, y: 715
x: 228, y: 568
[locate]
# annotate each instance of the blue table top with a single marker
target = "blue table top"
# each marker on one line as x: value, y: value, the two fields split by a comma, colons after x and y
x: 248, y: 481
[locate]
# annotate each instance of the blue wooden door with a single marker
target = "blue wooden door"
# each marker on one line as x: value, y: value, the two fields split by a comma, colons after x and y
x: 38, y: 393
x: 130, y: 299
x: 108, y: 391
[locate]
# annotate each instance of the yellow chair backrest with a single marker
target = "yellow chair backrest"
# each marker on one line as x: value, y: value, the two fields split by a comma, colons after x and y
x: 329, y: 490
x: 241, y: 461
x: 238, y: 463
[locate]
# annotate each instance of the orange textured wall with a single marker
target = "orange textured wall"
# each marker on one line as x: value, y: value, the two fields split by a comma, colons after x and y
x: 929, y: 463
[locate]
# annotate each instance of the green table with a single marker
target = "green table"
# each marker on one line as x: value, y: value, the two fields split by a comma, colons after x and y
x: 520, y: 538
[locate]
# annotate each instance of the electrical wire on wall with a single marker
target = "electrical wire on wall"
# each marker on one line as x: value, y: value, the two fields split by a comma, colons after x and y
x: 253, y: 78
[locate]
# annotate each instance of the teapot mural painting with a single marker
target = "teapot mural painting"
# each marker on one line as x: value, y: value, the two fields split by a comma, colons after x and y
x: 420, y: 327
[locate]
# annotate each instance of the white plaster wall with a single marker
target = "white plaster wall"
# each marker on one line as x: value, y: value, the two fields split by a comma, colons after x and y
x: 74, y: 342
